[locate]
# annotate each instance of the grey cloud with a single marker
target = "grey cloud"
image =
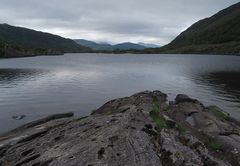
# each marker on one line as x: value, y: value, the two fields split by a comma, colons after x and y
x: 156, y: 21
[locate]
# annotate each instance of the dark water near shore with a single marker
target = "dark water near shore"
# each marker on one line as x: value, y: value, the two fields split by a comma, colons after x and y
x: 39, y: 86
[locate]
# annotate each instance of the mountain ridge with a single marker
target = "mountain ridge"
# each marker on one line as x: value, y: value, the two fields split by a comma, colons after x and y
x: 111, y: 47
x: 218, y: 34
x: 94, y: 45
x: 23, y: 41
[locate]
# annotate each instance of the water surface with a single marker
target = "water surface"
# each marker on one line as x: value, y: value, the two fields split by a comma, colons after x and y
x: 44, y: 85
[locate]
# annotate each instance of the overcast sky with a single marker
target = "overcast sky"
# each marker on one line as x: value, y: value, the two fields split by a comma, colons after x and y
x: 150, y: 21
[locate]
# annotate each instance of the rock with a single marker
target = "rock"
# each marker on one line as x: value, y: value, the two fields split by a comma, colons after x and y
x: 45, y: 120
x: 218, y: 112
x: 181, y: 98
x: 190, y: 121
x: 19, y: 117
x: 171, y: 102
x: 124, y: 132
x: 170, y: 123
x: 174, y: 153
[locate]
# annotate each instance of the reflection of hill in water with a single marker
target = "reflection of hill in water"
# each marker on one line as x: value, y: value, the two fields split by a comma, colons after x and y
x: 10, y: 76
x: 226, y: 84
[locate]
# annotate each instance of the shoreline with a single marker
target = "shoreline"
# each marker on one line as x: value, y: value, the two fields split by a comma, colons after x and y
x: 26, y: 56
x: 142, y: 125
x: 60, y: 54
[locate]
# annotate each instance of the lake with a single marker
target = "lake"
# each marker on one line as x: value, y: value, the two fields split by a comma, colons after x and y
x: 79, y: 83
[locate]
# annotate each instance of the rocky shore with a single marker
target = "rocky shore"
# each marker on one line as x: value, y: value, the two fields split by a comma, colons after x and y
x: 143, y: 129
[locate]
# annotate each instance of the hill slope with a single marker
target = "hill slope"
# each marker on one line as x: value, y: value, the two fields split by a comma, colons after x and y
x: 219, y: 34
x: 30, y: 40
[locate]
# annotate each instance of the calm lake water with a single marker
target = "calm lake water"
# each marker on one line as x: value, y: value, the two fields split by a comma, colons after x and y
x: 39, y: 86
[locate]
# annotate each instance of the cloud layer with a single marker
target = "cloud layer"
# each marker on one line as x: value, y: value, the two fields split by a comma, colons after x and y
x: 151, y: 21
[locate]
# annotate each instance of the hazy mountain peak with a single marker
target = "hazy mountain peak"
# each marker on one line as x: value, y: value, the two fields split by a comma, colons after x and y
x: 103, y: 46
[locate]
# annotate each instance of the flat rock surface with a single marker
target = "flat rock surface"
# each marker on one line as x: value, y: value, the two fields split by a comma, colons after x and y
x: 138, y: 130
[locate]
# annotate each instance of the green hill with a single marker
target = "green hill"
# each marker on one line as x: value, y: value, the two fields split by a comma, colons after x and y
x: 219, y: 34
x: 34, y: 42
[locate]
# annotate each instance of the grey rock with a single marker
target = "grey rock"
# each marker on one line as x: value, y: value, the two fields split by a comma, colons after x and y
x: 122, y: 132
x: 170, y: 123
x: 190, y: 120
x: 181, y: 98
x: 19, y: 117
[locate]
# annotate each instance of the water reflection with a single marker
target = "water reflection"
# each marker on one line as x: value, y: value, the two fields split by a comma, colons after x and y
x: 224, y: 83
x: 79, y: 83
x: 10, y: 77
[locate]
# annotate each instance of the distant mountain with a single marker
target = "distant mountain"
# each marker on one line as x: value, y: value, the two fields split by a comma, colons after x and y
x: 128, y: 46
x: 219, y: 34
x: 94, y: 45
x: 31, y: 41
x: 109, y: 47
x: 149, y: 45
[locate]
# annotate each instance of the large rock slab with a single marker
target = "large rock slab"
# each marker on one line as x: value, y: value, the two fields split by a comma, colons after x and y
x: 138, y: 130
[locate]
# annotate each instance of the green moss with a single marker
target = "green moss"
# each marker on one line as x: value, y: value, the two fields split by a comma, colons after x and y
x: 93, y: 111
x: 166, y: 109
x: 109, y: 112
x: 158, y: 120
x: 178, y: 155
x: 220, y: 114
x: 214, y: 145
x: 180, y: 128
x: 156, y: 107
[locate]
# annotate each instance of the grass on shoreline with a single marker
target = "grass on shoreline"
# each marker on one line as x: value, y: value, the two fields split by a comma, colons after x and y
x: 158, y: 120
